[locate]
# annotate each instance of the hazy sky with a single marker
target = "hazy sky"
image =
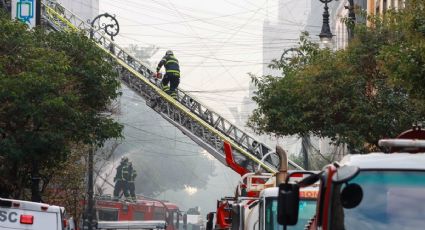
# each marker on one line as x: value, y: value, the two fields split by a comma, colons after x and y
x: 217, y: 42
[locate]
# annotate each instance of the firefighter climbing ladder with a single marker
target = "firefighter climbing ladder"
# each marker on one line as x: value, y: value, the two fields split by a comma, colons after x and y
x: 207, y: 128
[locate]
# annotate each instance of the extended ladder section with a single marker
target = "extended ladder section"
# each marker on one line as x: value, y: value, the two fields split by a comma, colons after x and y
x: 201, y: 124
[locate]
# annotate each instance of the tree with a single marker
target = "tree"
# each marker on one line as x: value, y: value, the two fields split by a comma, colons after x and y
x: 66, y: 185
x: 54, y: 90
x: 355, y: 96
x: 403, y: 59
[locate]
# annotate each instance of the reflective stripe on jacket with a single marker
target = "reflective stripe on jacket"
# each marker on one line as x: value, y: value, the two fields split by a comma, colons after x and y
x: 124, y: 171
x: 133, y: 176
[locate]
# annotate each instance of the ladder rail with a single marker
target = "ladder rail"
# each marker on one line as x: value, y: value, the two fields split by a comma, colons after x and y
x: 190, y: 113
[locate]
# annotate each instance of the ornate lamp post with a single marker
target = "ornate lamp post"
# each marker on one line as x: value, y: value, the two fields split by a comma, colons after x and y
x: 110, y: 24
x: 105, y: 22
x: 290, y: 53
x: 326, y: 34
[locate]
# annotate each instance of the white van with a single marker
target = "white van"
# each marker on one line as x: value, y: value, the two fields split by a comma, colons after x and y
x: 26, y: 215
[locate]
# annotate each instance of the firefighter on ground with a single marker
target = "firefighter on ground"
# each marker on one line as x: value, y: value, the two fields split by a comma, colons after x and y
x: 172, y: 73
x: 121, y: 179
x: 130, y: 181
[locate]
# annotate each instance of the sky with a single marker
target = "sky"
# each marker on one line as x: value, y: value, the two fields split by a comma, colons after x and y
x: 217, y: 42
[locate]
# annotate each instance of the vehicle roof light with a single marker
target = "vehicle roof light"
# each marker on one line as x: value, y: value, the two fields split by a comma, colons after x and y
x: 16, y: 205
x: 27, y: 219
x: 402, y: 143
x: 44, y: 208
x: 5, y: 203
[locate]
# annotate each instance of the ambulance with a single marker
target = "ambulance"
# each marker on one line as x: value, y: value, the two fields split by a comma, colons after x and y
x: 26, y: 215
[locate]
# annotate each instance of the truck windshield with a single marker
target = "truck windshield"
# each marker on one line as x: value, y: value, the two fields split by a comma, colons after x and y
x: 391, y: 200
x: 306, y: 211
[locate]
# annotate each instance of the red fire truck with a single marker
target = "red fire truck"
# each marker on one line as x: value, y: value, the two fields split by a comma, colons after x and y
x: 380, y: 191
x: 142, y: 213
x: 254, y: 205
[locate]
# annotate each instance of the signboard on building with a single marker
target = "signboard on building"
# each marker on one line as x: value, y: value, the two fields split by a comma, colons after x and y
x: 24, y: 10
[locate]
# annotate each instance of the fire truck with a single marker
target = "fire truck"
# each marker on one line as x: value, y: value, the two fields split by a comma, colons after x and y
x: 145, y: 213
x: 384, y: 190
x: 254, y: 205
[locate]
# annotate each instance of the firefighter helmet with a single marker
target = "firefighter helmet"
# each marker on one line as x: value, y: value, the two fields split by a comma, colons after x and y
x: 169, y: 52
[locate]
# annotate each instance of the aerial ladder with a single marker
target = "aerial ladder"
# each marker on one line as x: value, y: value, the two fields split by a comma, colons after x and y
x: 204, y: 126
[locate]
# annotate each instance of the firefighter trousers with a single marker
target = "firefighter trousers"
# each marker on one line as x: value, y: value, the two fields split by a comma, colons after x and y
x: 120, y: 185
x: 174, y: 80
x: 131, y: 189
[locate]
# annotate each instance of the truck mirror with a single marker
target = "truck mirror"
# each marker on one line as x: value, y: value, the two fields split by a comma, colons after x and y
x: 313, y: 178
x: 345, y: 173
x: 288, y: 204
x: 210, y: 218
x: 351, y: 196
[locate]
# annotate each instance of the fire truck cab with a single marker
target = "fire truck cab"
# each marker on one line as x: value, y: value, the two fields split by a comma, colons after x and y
x: 381, y: 191
x: 267, y: 208
x: 255, y: 206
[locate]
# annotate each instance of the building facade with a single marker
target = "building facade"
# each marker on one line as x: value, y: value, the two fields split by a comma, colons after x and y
x: 340, y: 27
x: 372, y: 7
x: 380, y: 6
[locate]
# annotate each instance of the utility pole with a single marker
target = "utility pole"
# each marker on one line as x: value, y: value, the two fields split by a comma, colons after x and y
x: 305, y: 143
x: 90, y: 185
x: 112, y: 29
x: 37, y: 12
x: 35, y: 183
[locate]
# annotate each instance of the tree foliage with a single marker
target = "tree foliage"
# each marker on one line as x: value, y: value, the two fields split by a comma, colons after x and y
x: 54, y: 89
x: 370, y: 90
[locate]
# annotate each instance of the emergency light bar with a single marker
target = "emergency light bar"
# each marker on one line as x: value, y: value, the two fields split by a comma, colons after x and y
x: 403, y: 143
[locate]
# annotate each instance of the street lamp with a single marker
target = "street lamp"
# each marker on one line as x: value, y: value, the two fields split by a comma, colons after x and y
x: 111, y: 28
x: 326, y: 34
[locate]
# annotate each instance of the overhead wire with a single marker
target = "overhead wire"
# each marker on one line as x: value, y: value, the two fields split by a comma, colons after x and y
x: 205, y: 45
x: 160, y: 12
x: 232, y: 28
x: 225, y: 59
